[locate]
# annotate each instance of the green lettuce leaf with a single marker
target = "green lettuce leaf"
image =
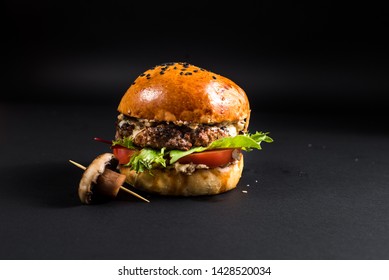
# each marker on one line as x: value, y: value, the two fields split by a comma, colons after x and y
x: 125, y: 142
x: 246, y: 142
x: 146, y: 159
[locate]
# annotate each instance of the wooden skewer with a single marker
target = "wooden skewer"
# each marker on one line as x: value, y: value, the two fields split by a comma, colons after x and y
x: 121, y: 187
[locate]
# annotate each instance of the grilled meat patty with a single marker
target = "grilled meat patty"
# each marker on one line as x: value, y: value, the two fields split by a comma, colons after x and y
x: 177, y: 136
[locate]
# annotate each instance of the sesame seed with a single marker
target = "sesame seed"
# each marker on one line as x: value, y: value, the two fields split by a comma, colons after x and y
x: 214, y: 77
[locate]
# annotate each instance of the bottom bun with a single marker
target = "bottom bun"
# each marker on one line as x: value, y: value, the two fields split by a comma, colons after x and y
x: 171, y: 182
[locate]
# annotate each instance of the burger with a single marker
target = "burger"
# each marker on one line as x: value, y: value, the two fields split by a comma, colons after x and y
x: 182, y: 130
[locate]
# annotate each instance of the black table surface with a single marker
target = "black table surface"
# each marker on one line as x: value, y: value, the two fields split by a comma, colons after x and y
x: 320, y: 191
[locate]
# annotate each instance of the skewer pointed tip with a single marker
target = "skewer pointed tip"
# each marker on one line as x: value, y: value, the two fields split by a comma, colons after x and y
x: 134, y: 194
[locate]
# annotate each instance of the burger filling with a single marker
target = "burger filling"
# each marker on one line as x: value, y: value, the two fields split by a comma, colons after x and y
x: 144, y: 145
x: 179, y: 135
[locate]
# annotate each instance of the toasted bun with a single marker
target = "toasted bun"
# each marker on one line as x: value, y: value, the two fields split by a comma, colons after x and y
x: 183, y: 92
x: 201, y: 182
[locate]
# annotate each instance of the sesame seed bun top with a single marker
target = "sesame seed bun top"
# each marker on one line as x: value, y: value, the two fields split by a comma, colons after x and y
x: 181, y: 92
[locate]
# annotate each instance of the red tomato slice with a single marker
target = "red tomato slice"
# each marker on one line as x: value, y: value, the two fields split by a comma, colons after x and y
x: 212, y: 158
x: 123, y: 154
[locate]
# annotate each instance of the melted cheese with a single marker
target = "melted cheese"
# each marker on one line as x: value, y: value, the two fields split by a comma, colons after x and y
x: 189, y: 168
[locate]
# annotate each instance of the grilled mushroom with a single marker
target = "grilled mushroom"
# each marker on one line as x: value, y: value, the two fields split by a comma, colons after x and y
x: 100, y: 182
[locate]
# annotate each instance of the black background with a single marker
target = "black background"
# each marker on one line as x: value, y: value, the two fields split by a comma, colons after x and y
x: 297, y: 56
x: 315, y: 74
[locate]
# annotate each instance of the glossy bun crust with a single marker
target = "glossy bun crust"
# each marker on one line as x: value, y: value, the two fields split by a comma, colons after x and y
x: 181, y: 92
x: 201, y: 182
